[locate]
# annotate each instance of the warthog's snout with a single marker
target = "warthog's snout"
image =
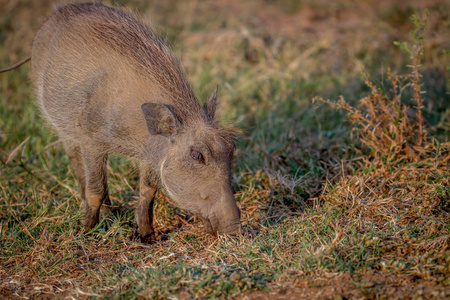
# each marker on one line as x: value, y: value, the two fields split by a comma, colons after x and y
x: 223, y: 217
x: 232, y: 229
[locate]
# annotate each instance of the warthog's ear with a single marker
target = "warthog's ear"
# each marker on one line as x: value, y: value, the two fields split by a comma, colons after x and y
x: 160, y: 118
x: 210, y: 106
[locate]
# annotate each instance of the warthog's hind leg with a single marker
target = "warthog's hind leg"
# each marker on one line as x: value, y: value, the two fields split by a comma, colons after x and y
x: 74, y: 153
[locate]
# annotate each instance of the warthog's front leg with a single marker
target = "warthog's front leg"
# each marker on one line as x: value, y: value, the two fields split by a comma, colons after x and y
x: 144, y: 210
x: 96, y: 184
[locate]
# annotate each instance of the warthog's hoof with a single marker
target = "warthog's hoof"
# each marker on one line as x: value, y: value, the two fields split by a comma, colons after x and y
x: 148, y: 238
x: 90, y: 218
x: 105, y: 210
x: 88, y: 224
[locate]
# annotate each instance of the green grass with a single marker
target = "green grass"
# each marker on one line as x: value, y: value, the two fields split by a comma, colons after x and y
x: 288, y: 175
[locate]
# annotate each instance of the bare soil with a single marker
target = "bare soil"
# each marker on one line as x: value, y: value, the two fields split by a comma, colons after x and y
x: 356, y: 286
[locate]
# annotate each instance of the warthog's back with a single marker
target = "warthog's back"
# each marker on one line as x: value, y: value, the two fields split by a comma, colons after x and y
x: 94, y: 65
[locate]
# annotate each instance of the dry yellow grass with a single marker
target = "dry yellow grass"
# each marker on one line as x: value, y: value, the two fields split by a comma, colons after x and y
x: 325, y: 215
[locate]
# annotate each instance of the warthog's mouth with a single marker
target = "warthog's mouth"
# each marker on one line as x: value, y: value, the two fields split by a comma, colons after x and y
x: 208, y: 227
x: 232, y: 229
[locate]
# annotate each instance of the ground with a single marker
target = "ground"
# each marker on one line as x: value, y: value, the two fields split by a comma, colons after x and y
x: 340, y: 199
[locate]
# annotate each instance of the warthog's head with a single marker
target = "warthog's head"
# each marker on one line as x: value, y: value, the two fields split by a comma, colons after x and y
x: 195, y: 169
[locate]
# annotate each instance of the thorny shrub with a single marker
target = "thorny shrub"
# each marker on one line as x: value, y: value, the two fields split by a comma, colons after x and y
x: 403, y: 175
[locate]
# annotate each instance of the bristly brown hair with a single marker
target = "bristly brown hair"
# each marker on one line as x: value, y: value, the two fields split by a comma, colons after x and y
x: 127, y: 35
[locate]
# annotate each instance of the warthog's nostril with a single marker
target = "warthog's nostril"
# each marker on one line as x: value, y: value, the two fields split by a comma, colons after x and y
x: 235, y: 231
x: 232, y: 229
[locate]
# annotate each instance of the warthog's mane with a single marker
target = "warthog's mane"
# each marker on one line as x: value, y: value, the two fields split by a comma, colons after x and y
x: 124, y: 33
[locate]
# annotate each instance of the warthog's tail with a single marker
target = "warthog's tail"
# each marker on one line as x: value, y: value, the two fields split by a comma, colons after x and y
x: 16, y: 65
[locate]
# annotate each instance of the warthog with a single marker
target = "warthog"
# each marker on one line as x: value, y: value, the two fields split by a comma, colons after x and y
x: 107, y: 83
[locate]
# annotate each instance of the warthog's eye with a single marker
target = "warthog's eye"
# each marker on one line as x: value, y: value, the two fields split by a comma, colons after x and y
x: 197, y: 156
